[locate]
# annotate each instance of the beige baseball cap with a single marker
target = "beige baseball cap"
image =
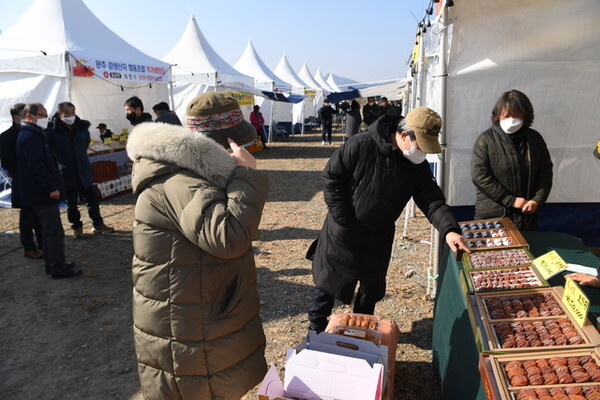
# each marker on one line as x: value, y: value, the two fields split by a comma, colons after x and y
x: 426, y: 125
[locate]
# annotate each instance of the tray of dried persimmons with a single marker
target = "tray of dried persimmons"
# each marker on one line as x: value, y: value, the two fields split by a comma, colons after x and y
x: 548, y: 375
x: 531, y: 320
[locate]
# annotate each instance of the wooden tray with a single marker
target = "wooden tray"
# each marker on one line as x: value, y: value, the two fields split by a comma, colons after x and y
x: 480, y: 301
x: 467, y: 259
x: 497, y: 385
x: 588, y: 333
x: 469, y: 274
x: 493, y: 233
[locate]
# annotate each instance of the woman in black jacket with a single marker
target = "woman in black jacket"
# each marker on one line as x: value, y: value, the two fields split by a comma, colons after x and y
x: 511, y: 166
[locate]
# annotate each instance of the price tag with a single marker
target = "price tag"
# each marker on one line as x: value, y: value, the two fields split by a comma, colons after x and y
x: 107, y: 140
x: 123, y: 138
x: 550, y: 264
x: 576, y: 301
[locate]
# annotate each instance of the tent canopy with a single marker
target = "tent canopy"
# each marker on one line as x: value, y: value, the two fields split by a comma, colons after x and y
x: 285, y: 72
x: 252, y: 65
x: 100, y: 72
x: 59, y: 26
x: 195, y: 60
x: 307, y: 77
x: 321, y: 81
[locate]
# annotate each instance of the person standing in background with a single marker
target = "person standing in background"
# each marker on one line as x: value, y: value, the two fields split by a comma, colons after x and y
x: 41, y: 187
x: 29, y: 223
x: 258, y: 122
x: 353, y: 120
x: 104, y: 132
x: 511, y: 167
x: 325, y: 114
x: 69, y: 137
x: 165, y: 115
x: 134, y: 111
x: 370, y: 111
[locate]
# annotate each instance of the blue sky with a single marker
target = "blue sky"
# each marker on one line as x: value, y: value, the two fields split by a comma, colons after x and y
x: 358, y: 39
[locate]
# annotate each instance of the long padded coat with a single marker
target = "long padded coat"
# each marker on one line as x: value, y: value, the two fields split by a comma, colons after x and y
x: 367, y: 183
x: 197, y: 329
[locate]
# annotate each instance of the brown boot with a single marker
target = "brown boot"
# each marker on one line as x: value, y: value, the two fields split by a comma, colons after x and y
x: 34, y: 254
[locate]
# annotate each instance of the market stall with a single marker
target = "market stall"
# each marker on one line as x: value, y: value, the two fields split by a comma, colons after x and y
x: 457, y: 337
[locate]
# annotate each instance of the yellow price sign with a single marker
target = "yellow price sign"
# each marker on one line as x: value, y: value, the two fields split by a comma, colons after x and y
x: 107, y: 140
x: 123, y: 138
x: 576, y: 301
x: 550, y: 264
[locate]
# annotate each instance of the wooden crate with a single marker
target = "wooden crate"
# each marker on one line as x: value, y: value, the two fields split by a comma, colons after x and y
x: 589, y: 335
x: 493, y: 233
x: 104, y: 171
x: 497, y: 385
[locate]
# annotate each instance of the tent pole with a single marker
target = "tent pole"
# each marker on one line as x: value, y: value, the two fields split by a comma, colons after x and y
x: 68, y: 66
x: 443, y: 48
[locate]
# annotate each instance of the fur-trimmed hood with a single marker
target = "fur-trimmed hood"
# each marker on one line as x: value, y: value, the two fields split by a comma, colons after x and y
x: 164, y: 148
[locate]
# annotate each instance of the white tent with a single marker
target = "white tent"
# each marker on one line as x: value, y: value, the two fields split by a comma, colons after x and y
x: 197, y: 68
x: 307, y: 77
x: 59, y: 51
x: 322, y: 83
x: 252, y: 65
x: 306, y: 108
x: 548, y: 49
x: 333, y: 84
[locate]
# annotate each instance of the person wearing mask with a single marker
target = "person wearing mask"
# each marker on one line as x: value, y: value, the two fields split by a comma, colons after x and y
x: 258, y: 122
x: 370, y: 111
x: 28, y: 222
x: 385, y: 108
x: 353, y: 120
x: 511, y: 166
x: 104, y: 132
x: 69, y: 137
x: 134, y: 111
x: 165, y: 115
x: 197, y: 329
x: 40, y: 187
x: 325, y: 114
x: 367, y: 183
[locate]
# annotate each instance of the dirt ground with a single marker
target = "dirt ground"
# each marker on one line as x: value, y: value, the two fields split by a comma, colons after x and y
x: 72, y: 339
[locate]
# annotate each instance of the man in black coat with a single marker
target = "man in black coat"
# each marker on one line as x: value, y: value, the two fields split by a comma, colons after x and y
x: 370, y: 111
x: 41, y: 187
x: 28, y: 222
x: 134, y: 111
x: 69, y: 137
x: 367, y: 183
x: 325, y: 114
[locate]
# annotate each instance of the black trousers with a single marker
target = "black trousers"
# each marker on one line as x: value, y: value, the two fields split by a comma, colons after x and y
x: 91, y: 201
x: 53, y: 234
x: 326, y: 132
x: 370, y: 291
x: 29, y: 224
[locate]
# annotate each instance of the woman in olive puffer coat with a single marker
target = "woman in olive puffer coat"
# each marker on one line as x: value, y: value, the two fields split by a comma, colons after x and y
x: 197, y: 330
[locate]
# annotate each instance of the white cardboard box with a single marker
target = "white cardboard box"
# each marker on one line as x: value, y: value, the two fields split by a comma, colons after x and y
x: 329, y: 367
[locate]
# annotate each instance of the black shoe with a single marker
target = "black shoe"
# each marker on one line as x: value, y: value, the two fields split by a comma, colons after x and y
x: 63, y: 271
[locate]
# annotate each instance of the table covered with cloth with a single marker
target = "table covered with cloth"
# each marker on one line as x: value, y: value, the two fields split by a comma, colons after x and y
x: 455, y: 350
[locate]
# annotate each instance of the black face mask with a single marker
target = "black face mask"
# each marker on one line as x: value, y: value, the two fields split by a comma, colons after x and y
x: 130, y: 117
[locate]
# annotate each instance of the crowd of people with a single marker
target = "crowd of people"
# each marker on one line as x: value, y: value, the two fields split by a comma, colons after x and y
x: 199, y: 203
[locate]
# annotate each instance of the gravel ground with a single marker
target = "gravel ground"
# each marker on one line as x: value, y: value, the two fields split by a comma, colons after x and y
x: 72, y: 339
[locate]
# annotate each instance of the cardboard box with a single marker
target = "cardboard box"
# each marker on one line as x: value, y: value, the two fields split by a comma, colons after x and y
x: 329, y: 367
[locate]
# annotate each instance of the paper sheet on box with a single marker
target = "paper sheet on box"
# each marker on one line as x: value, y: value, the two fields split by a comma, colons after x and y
x: 581, y: 268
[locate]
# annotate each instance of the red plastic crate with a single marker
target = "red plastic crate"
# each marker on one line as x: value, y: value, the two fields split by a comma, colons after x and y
x: 103, y: 171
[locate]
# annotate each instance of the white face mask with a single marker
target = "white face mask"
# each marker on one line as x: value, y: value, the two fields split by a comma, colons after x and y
x: 69, y: 120
x: 42, y: 123
x: 511, y: 125
x: 414, y: 155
